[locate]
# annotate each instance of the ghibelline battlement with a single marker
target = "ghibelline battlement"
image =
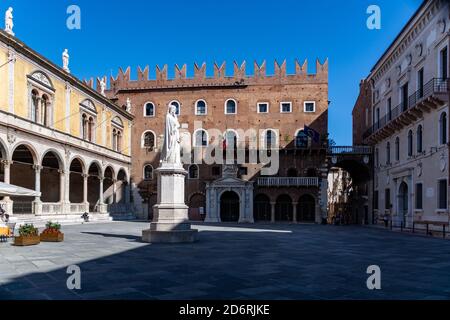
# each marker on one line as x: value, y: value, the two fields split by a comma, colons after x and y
x: 219, y: 78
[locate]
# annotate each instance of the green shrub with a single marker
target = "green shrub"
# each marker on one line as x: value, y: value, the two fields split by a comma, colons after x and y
x: 53, y: 225
x: 28, y: 230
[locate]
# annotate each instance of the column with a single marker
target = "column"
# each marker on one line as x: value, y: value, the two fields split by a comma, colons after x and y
x: 37, y: 204
x: 272, y: 212
x: 101, y: 203
x: 114, y: 190
x: 127, y: 192
x: 294, y: 210
x: 85, y: 191
x: 8, y: 202
x: 62, y: 182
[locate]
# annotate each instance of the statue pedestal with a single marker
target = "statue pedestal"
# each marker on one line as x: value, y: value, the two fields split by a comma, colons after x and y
x: 170, y: 214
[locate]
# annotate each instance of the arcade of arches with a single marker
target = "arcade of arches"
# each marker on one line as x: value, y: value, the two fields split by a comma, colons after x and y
x: 65, y: 186
x: 285, y: 208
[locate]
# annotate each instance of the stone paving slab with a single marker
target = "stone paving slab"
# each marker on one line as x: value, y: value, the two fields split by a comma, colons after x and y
x: 260, y: 261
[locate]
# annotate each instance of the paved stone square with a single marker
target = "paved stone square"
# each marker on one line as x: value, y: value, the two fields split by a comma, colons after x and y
x: 229, y: 262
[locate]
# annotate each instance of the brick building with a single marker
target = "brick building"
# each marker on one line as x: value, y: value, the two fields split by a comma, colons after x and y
x: 277, y: 106
x: 362, y: 112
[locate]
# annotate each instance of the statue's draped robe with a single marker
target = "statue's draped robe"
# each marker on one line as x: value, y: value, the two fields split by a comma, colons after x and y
x: 171, y: 146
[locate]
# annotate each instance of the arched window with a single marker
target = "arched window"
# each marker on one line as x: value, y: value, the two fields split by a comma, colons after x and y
x: 114, y: 139
x: 35, y: 101
x: 301, y: 139
x: 148, y: 140
x: 91, y: 129
x: 200, y: 107
x: 88, y: 118
x: 84, y: 126
x: 148, y: 172
x: 201, y: 138
x: 119, y: 140
x: 41, y: 95
x: 117, y: 125
x: 177, y: 105
x: 311, y: 172
x: 410, y: 143
x: 149, y: 109
x: 230, y: 106
x: 270, y: 139
x: 45, y: 106
x: 231, y: 139
x: 419, y: 139
x: 193, y: 171
x: 443, y: 128
x: 397, y: 149
x: 388, y: 152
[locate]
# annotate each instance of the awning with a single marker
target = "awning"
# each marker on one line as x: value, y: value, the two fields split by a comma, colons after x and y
x: 8, y: 190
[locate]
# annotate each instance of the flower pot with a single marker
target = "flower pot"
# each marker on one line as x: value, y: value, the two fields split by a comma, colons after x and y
x: 52, y: 237
x: 26, y: 240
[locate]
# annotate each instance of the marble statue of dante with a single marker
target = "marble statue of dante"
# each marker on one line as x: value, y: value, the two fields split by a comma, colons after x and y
x: 65, y: 58
x: 171, y: 146
x: 9, y: 24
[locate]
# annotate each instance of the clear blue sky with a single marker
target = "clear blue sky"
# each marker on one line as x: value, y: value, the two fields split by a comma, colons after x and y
x: 136, y: 32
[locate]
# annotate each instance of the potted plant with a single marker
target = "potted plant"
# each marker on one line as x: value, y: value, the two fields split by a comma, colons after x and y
x: 28, y: 235
x: 52, y: 233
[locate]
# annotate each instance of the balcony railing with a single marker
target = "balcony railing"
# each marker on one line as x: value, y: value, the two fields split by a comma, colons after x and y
x: 350, y: 150
x: 434, y: 86
x: 288, y: 182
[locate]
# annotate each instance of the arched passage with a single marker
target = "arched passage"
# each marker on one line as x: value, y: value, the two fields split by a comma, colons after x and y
x: 50, y: 178
x: 197, y: 204
x: 306, y: 208
x: 23, y: 175
x: 94, y: 175
x: 348, y: 190
x: 261, y: 208
x: 229, y: 207
x: 76, y: 181
x: 284, y: 208
x: 108, y: 186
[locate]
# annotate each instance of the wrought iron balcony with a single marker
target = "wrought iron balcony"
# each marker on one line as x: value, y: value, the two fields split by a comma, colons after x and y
x: 424, y: 99
x: 287, y: 182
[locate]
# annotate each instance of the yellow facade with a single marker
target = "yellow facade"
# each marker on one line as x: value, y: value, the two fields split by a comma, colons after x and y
x: 23, y: 67
x: 3, y: 79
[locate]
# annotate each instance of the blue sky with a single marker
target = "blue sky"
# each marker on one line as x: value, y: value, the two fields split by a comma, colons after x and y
x: 136, y: 32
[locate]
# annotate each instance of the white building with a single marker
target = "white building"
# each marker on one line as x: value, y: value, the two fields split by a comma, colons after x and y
x: 409, y: 132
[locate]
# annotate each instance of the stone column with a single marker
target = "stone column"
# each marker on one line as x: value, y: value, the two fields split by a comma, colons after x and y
x: 101, y: 203
x: 127, y: 192
x: 294, y: 210
x: 85, y: 191
x: 37, y: 203
x: 62, y: 182
x: 8, y: 202
x: 272, y: 212
x: 114, y: 190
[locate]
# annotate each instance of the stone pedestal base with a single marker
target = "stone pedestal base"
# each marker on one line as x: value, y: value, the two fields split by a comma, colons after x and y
x: 174, y: 236
x: 170, y: 216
